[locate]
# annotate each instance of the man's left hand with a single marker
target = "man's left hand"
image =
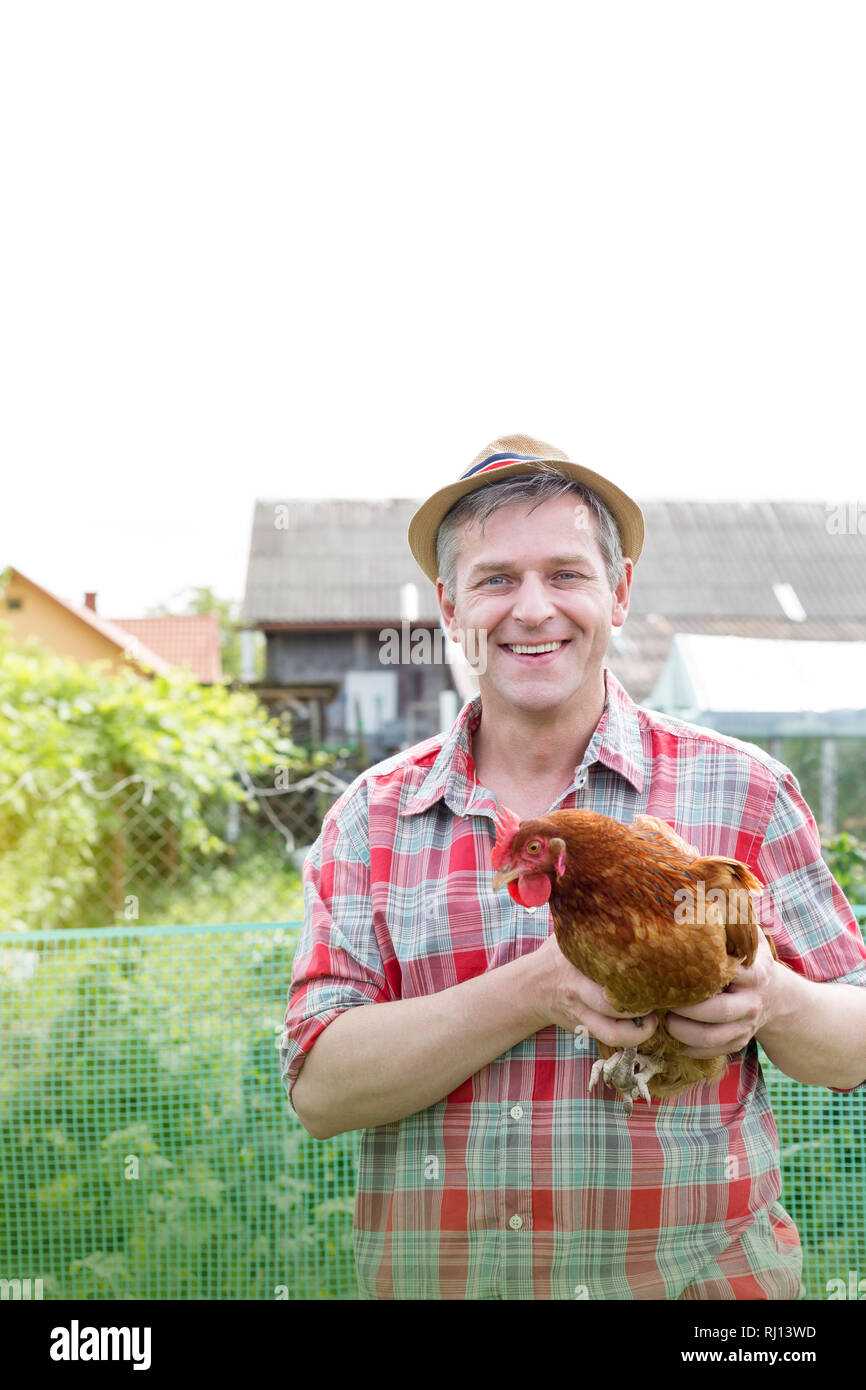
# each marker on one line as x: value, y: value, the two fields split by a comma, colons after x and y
x: 728, y: 1021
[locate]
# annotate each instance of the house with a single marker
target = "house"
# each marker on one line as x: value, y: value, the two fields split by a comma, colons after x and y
x: 772, y: 689
x: 326, y: 577
x: 742, y: 615
x: 794, y: 689
x: 77, y: 630
x: 337, y: 593
x: 740, y: 569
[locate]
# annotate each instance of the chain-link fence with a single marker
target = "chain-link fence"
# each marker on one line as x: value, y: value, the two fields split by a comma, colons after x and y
x: 147, y: 1149
x: 138, y: 866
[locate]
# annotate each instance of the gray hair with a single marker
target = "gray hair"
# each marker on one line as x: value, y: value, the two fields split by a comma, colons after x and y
x: 542, y: 485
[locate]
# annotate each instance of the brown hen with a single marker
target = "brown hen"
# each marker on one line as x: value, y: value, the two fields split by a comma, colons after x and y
x: 644, y: 915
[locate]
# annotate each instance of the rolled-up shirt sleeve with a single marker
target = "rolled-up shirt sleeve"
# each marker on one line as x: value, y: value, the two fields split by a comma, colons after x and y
x: 337, y: 963
x: 810, y: 919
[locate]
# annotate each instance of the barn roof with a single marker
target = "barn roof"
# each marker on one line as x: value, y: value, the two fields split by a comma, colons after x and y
x: 334, y: 561
x: 723, y: 559
x: 754, y: 569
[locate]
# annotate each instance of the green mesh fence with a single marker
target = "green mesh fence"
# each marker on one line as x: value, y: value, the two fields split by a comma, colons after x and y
x: 147, y: 1150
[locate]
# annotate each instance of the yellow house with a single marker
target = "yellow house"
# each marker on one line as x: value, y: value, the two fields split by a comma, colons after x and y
x: 68, y: 629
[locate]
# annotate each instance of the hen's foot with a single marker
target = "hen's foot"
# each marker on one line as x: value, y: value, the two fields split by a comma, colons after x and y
x: 628, y: 1072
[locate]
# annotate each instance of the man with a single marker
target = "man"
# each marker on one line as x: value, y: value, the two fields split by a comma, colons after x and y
x: 487, y: 1169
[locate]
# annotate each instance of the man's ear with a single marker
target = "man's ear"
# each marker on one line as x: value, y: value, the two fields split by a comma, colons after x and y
x: 622, y: 594
x: 446, y: 608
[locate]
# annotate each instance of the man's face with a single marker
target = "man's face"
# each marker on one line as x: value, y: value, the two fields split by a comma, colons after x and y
x: 536, y: 577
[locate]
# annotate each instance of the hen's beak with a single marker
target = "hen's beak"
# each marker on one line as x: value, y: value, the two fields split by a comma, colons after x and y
x: 504, y: 876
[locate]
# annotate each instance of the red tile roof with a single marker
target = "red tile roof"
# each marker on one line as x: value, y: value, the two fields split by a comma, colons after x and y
x: 191, y: 640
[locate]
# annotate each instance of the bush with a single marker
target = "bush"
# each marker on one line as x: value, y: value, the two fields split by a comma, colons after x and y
x: 846, y: 858
x: 69, y: 733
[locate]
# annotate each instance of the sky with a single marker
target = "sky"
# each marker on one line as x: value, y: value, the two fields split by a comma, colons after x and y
x: 333, y: 249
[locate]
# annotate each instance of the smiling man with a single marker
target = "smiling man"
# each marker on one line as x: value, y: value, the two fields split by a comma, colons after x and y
x: 487, y: 1168
x: 532, y: 577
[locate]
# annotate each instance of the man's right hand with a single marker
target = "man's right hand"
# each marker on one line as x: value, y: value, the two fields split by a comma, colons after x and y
x: 378, y: 1063
x: 565, y: 996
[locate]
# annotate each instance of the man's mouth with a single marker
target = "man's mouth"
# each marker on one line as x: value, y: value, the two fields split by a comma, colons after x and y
x: 534, y: 651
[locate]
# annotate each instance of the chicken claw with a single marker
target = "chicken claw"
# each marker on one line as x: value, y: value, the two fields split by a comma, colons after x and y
x: 628, y: 1072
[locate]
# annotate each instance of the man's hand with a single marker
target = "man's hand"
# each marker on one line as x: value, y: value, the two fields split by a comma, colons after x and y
x: 728, y: 1021
x: 568, y: 998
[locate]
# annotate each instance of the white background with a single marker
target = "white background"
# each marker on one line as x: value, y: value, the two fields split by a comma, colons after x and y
x: 286, y: 250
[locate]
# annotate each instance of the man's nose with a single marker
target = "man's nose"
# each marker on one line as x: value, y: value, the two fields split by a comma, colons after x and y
x: 532, y: 605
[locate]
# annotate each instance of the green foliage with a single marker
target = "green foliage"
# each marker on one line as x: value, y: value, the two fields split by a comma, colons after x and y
x: 60, y: 721
x: 821, y: 1139
x: 846, y: 859
x: 146, y: 1145
x: 261, y: 887
x: 803, y: 757
x: 147, y: 1149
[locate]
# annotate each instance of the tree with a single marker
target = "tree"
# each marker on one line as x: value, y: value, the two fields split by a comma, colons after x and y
x: 204, y: 600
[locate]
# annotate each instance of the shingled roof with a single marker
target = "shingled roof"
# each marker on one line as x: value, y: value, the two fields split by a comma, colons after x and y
x: 344, y: 561
x: 332, y: 561
x: 722, y: 559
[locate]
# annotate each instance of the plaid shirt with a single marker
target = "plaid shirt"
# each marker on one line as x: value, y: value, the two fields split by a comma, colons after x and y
x: 520, y: 1183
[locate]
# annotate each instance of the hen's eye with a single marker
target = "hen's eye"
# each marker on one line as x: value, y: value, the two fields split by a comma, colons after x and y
x: 533, y: 848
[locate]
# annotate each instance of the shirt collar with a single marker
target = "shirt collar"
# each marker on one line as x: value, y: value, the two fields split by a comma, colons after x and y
x: 616, y: 743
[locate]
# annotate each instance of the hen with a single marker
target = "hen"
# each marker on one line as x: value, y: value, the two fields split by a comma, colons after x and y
x: 640, y: 912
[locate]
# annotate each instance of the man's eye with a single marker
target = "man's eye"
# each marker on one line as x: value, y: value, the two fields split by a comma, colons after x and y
x: 494, y: 577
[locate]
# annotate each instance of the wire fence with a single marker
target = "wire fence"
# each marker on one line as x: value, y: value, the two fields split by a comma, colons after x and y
x: 147, y: 1149
x: 138, y: 864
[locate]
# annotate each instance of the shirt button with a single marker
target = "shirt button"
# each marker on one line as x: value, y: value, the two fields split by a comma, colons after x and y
x: 517, y: 1112
x: 515, y: 1222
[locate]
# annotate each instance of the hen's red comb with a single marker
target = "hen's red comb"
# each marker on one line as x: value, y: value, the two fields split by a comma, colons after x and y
x: 507, y: 826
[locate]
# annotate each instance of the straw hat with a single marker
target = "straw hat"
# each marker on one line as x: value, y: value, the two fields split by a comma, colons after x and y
x: 506, y: 458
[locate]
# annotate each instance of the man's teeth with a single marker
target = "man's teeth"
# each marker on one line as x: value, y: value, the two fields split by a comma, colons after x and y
x: 528, y: 651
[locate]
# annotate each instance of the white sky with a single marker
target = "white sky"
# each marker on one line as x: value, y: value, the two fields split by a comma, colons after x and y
x: 280, y: 250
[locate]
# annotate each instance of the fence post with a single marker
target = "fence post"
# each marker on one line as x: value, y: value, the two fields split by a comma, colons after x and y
x: 118, y: 853
x: 171, y: 849
x: 322, y: 800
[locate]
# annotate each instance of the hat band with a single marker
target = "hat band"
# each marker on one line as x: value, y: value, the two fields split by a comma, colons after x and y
x: 499, y: 461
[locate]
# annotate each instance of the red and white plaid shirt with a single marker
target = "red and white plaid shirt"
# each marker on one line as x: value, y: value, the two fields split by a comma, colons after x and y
x: 521, y: 1183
